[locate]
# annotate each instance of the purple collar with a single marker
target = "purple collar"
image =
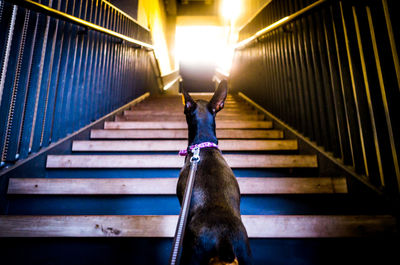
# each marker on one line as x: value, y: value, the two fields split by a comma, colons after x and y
x: 184, y: 152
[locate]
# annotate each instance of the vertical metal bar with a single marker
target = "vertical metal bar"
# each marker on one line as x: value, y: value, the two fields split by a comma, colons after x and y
x: 59, y: 130
x: 292, y: 91
x: 310, y: 76
x: 57, y: 78
x: 48, y: 81
x: 368, y: 96
x: 108, y: 42
x: 7, y: 78
x: 92, y: 43
x: 40, y: 93
x: 302, y: 115
x: 20, y: 83
x: 310, y: 123
x: 384, y: 97
x: 23, y: 136
x: 346, y: 94
x: 74, y: 71
x: 93, y: 75
x: 98, y: 85
x: 77, y: 97
x: 326, y: 90
x: 45, y: 89
x: 87, y: 49
x: 282, y: 69
x: 344, y: 151
x: 8, y: 50
x: 70, y: 89
x: 33, y: 89
x: 273, y: 69
x: 361, y: 109
x: 323, y: 130
x: 392, y: 41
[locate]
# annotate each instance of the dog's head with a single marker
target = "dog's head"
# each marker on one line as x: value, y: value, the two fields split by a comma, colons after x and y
x: 200, y: 114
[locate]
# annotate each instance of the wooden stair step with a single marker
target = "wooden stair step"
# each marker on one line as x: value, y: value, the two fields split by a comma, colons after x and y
x: 183, y: 125
x: 167, y: 186
x: 257, y: 226
x: 175, y: 161
x: 181, y: 117
x: 176, y: 145
x: 180, y: 111
x: 183, y: 134
x: 181, y: 114
x: 179, y: 103
x: 180, y: 108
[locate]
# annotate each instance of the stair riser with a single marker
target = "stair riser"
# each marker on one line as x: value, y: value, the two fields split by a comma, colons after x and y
x: 169, y: 205
x: 167, y: 186
x: 156, y: 251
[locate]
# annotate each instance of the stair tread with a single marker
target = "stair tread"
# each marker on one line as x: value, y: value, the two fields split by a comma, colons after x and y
x: 181, y: 117
x: 181, y: 114
x: 257, y: 226
x: 167, y: 186
x: 180, y: 133
x: 183, y: 125
x: 174, y: 161
x: 175, y: 145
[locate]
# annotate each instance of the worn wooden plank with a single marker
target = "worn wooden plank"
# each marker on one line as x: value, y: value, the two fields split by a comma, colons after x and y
x: 183, y: 125
x: 183, y: 134
x: 257, y: 226
x: 167, y: 186
x: 166, y: 113
x: 181, y: 117
x: 175, y: 145
x: 179, y: 109
x: 174, y: 161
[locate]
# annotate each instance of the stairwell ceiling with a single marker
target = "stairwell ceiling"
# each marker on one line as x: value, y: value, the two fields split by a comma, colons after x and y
x: 192, y: 7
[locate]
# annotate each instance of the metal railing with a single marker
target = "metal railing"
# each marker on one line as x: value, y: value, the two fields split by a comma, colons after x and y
x: 64, y: 64
x: 329, y: 70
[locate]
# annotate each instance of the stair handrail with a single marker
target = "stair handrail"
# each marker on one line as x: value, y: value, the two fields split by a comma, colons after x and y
x: 279, y: 23
x: 81, y: 22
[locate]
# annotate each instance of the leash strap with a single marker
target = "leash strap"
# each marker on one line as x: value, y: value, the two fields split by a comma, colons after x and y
x: 180, y: 228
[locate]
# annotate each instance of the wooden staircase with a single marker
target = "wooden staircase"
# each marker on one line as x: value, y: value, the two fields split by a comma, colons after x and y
x: 133, y: 163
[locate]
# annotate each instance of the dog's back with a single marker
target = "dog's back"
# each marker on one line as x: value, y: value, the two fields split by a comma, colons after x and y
x: 215, y: 233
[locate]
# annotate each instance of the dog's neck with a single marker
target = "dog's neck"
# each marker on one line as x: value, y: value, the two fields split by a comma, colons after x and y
x: 201, y: 125
x: 200, y: 135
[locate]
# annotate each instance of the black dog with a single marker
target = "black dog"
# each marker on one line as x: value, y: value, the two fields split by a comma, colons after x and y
x: 214, y: 233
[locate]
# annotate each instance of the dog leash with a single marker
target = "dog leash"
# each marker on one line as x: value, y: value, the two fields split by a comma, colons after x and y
x: 180, y: 228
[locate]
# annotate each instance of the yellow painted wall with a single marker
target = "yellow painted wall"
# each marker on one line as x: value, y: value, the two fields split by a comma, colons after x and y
x: 249, y: 9
x: 151, y: 13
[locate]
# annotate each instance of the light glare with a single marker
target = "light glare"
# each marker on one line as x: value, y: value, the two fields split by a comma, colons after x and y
x: 230, y: 9
x: 198, y: 45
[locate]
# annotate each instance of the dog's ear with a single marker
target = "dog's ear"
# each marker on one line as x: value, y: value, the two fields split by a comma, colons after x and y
x: 189, y: 103
x: 217, y: 102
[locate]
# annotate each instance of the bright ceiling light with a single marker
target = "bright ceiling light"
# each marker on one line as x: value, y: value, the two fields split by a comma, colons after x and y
x: 230, y: 9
